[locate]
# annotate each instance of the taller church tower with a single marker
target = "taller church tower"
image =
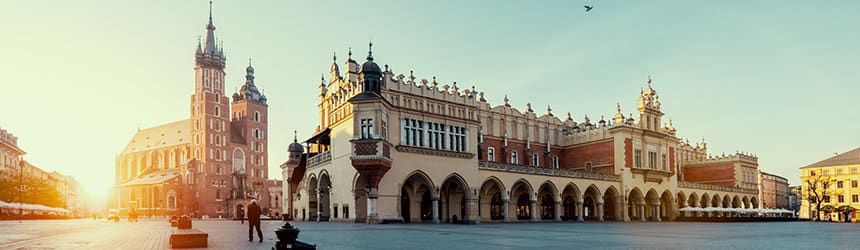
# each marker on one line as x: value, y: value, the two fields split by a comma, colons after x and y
x: 210, y: 127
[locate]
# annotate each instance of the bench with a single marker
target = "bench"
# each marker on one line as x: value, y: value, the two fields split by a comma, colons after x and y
x: 188, y: 238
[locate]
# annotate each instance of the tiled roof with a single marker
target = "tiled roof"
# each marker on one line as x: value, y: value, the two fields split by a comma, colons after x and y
x: 166, y: 135
x: 847, y: 158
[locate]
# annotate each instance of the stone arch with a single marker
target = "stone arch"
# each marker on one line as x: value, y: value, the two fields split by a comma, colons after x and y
x: 522, y: 200
x: 612, y: 209
x: 571, y: 200
x: 636, y: 205
x: 360, y: 188
x: 313, y: 201
x: 652, y: 204
x: 736, y: 202
x: 453, y: 196
x: 746, y: 202
x: 547, y: 199
x: 417, y: 193
x: 754, y: 202
x: 324, y: 193
x: 592, y: 203
x: 492, y: 200
x: 667, y: 206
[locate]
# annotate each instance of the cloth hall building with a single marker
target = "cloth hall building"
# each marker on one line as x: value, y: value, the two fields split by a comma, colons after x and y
x: 393, y: 148
x: 210, y: 164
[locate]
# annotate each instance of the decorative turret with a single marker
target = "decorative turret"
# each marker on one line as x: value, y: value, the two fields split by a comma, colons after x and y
x: 210, y: 54
x: 618, y: 118
x: 335, y: 70
x: 249, y: 90
x: 371, y: 74
x: 529, y: 108
x: 507, y: 101
x: 323, y: 89
x: 295, y: 151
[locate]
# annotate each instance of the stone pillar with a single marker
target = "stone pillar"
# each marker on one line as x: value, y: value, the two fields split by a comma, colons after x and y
x: 579, y: 211
x: 435, y: 205
x: 642, y: 212
x: 625, y: 215
x: 471, y: 216
x: 372, y: 216
x: 599, y: 208
x: 533, y: 210
x: 505, y: 210
x: 658, y: 213
x: 558, y: 210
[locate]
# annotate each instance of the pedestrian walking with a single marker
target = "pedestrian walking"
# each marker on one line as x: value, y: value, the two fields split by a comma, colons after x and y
x: 242, y: 215
x: 254, y: 212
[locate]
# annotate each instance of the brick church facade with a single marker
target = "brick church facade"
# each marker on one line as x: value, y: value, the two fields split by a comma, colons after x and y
x: 211, y: 164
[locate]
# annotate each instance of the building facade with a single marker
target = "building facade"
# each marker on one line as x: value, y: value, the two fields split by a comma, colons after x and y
x: 774, y: 191
x: 211, y: 164
x: 392, y: 148
x: 10, y: 154
x: 833, y: 182
x: 794, y: 199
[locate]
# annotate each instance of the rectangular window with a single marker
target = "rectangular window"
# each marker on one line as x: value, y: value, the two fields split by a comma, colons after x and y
x: 841, y: 198
x: 825, y: 172
x: 854, y: 183
x: 555, y: 162
x: 826, y: 199
x: 811, y: 172
x: 345, y: 211
x: 491, y: 154
x: 637, y: 158
x: 535, y: 160
x: 366, y: 128
x: 664, y: 162
x: 514, y: 159
x: 652, y: 160
x: 854, y: 198
x: 839, y: 184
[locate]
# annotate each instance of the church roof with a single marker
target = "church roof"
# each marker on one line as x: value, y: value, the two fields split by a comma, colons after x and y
x: 847, y: 158
x: 162, y: 136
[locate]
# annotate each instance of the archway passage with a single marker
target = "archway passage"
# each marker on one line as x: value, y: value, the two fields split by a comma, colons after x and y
x: 667, y: 209
x: 491, y: 201
x: 453, y: 196
x: 546, y: 197
x: 569, y: 198
x: 313, y: 199
x: 591, y: 201
x: 521, y: 193
x: 635, y: 205
x: 681, y: 199
x: 652, y: 206
x: 416, y: 196
x: 325, y: 196
x: 360, y: 192
x: 611, y: 205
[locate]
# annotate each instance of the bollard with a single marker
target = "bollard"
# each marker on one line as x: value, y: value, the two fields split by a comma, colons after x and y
x: 287, y: 238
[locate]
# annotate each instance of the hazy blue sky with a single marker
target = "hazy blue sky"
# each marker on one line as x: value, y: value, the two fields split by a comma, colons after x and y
x: 775, y: 78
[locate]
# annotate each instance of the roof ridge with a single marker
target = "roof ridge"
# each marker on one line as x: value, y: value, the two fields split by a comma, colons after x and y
x: 847, y: 158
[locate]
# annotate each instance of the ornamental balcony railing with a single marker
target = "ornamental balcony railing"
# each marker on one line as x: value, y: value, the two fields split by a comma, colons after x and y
x: 371, y: 149
x: 683, y: 184
x: 495, y: 166
x: 319, y: 159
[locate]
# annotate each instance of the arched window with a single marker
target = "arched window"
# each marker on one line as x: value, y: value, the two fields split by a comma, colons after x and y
x: 217, y: 111
x: 238, y: 160
x: 257, y: 116
x: 171, y: 202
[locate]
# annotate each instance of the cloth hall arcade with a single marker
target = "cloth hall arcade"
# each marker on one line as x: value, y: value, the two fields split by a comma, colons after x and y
x: 394, y: 148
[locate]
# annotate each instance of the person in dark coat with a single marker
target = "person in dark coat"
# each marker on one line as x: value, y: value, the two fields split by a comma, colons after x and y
x: 254, y: 212
x: 242, y: 215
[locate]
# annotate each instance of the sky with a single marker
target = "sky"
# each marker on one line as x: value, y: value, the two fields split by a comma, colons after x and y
x: 778, y: 79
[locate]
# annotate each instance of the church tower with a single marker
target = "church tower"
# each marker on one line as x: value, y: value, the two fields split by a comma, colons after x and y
x: 249, y: 125
x: 649, y: 109
x: 209, y: 126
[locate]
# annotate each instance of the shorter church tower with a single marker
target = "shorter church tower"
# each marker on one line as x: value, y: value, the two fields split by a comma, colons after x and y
x: 249, y: 130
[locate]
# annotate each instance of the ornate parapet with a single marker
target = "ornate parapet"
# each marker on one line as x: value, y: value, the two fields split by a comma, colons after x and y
x: 693, y: 185
x: 319, y: 159
x: 494, y: 166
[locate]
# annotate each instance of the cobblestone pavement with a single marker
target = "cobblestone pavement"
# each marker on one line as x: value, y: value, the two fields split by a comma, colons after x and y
x: 225, y: 234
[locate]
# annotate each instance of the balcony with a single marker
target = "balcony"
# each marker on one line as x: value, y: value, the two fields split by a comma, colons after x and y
x: 682, y: 184
x: 319, y: 159
x: 495, y: 166
x: 370, y: 149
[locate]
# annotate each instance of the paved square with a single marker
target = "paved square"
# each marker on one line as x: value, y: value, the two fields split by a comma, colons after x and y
x: 226, y: 234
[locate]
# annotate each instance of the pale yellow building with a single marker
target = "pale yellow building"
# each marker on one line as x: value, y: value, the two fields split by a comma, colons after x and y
x: 842, y: 172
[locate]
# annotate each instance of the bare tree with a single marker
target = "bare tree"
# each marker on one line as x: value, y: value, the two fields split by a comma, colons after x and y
x: 818, y: 188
